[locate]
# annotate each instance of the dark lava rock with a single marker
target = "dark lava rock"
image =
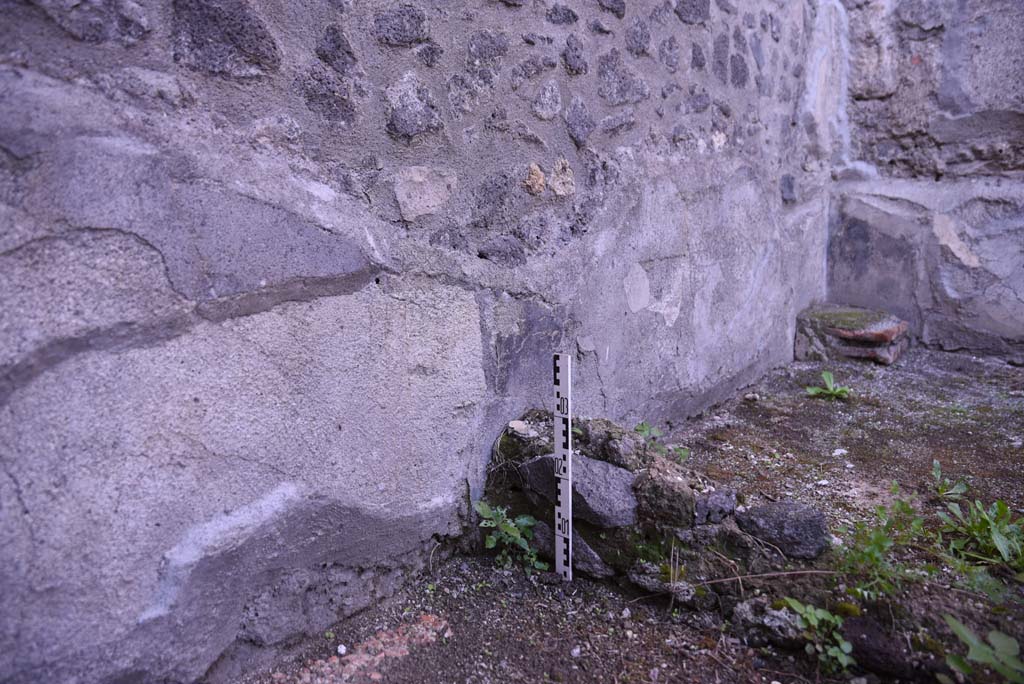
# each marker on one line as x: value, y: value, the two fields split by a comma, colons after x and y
x: 787, y: 187
x: 527, y: 69
x: 617, y: 123
x: 401, y: 26
x: 328, y: 96
x: 584, y: 558
x: 877, y: 650
x: 537, y: 39
x: 798, y: 530
x: 715, y: 507
x: 579, y: 122
x: 619, y: 84
x: 602, y: 493
x: 616, y: 7
x: 693, y: 11
x: 429, y: 54
x: 503, y: 249
x: 99, y: 20
x: 739, y: 41
x: 597, y: 27
x: 698, y: 102
x: 572, y: 56
x: 668, y: 53
x: 720, y: 58
x: 484, y: 53
x: 335, y: 51
x: 412, y: 110
x: 697, y: 58
x: 726, y: 6
x: 664, y: 495
x: 224, y: 37
x: 561, y: 15
x: 638, y: 37
x: 739, y: 71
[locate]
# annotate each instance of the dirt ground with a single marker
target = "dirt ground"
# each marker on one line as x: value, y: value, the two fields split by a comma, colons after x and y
x: 467, y: 622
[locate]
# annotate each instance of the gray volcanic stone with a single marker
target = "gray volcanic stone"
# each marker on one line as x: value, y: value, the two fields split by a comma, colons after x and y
x: 638, y: 37
x: 739, y: 41
x: 597, y: 27
x: 616, y: 7
x: 697, y: 58
x: 602, y: 493
x: 760, y: 624
x: 224, y: 37
x: 714, y: 507
x: 411, y: 109
x: 619, y: 84
x: 484, y: 54
x: 693, y: 11
x: 616, y: 123
x: 561, y: 15
x: 99, y: 20
x: 584, y: 558
x: 698, y: 100
x: 664, y: 495
x: 720, y: 58
x: 668, y: 53
x: 334, y: 50
x: 739, y: 71
x: 503, y: 249
x: 401, y: 26
x: 572, y: 56
x: 798, y: 530
x: 529, y: 68
x: 548, y: 102
x: 578, y: 121
x: 429, y: 53
x: 726, y: 6
x: 327, y: 95
x: 537, y: 39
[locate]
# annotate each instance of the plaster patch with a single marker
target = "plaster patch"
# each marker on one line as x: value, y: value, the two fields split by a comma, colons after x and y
x: 213, y: 536
x: 944, y: 228
x: 637, y: 287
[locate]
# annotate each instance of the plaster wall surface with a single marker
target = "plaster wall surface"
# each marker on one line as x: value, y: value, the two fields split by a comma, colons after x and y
x: 274, y: 274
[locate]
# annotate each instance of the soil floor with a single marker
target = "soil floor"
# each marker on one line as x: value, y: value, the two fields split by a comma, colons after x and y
x: 467, y: 622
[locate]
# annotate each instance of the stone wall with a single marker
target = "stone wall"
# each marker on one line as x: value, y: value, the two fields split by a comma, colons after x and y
x: 928, y: 217
x: 274, y: 274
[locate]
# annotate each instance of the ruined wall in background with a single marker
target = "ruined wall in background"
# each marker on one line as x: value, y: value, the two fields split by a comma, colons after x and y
x: 929, y: 221
x: 273, y: 274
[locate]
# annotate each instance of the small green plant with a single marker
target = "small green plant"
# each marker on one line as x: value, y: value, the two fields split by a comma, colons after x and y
x: 509, y: 536
x: 991, y: 535
x: 823, y: 635
x: 651, y: 435
x: 943, y: 487
x: 1001, y: 653
x: 868, y: 557
x: 831, y: 390
x: 329, y: 635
